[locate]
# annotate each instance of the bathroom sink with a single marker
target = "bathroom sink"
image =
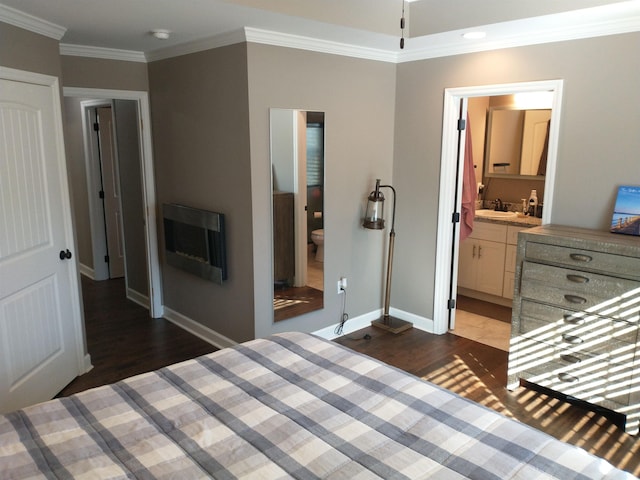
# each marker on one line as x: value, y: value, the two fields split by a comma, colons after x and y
x: 496, y: 215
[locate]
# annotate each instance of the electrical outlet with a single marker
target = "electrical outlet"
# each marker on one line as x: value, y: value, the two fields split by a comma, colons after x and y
x: 342, y: 284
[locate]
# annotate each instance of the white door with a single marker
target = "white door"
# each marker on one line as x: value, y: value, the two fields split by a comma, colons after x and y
x: 111, y: 190
x: 40, y: 321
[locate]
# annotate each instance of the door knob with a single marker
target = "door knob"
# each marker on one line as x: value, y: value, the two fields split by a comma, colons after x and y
x: 65, y: 255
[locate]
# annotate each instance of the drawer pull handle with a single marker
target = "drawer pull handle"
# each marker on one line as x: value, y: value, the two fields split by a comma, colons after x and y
x: 572, y: 339
x: 579, y: 257
x: 575, y: 299
x: 565, y: 377
x: 570, y: 358
x: 568, y: 318
x: 577, y: 278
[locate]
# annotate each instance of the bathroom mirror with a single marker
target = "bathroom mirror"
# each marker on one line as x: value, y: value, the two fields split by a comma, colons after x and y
x: 516, y: 141
x: 297, y: 186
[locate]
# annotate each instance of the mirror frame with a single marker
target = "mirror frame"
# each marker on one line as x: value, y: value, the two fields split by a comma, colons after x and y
x: 297, y: 178
x: 487, y: 143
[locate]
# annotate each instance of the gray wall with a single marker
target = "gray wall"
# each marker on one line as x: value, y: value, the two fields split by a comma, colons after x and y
x: 102, y: 73
x: 200, y: 117
x: 357, y: 97
x: 598, y: 146
x: 28, y: 51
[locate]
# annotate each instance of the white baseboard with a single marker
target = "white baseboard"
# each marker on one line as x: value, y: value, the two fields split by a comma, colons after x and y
x: 137, y: 297
x: 86, y: 271
x: 421, y: 323
x: 362, y: 321
x: 350, y: 326
x: 88, y: 366
x: 197, y: 329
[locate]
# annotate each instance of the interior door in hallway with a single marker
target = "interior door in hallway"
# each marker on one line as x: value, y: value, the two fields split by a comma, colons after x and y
x: 40, y: 318
x: 111, y: 192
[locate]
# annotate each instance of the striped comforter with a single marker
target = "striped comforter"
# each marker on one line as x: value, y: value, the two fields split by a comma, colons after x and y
x: 288, y: 406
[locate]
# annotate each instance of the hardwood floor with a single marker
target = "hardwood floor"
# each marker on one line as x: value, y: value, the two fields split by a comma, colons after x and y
x: 124, y: 341
x: 479, y: 372
x: 293, y: 301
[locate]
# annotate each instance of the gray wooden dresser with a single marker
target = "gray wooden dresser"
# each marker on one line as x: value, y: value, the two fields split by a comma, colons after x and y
x: 576, y: 312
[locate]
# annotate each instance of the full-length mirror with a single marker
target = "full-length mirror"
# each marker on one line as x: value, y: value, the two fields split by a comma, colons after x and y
x: 297, y: 182
x: 516, y: 141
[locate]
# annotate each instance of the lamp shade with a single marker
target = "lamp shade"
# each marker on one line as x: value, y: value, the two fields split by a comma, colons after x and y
x: 374, y: 216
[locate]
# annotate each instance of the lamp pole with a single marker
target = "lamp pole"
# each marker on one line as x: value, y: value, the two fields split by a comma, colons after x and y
x: 374, y: 220
x: 392, y: 239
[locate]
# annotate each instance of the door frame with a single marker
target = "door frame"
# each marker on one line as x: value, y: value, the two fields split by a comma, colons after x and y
x: 446, y: 268
x: 156, y: 307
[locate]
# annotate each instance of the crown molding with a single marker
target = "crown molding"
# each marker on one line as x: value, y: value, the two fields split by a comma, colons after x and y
x: 216, y: 41
x: 539, y: 30
x: 29, y: 22
x: 100, y: 52
x: 256, y: 35
x: 620, y: 18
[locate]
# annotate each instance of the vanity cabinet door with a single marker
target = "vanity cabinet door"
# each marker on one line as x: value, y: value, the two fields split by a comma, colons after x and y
x: 481, y: 266
x: 467, y: 264
x: 490, y: 274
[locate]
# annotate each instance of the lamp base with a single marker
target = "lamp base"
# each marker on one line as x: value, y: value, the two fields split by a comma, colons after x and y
x: 392, y: 324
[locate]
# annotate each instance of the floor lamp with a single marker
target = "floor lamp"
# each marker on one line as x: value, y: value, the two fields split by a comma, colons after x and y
x: 374, y: 220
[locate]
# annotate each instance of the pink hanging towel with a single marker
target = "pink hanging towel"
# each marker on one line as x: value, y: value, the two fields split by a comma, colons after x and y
x: 469, y: 187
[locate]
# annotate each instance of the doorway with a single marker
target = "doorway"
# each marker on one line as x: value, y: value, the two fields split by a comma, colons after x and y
x: 139, y: 128
x: 451, y: 168
x: 103, y: 182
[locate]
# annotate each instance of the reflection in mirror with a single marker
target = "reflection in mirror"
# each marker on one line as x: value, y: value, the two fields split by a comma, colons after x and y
x: 297, y: 168
x: 517, y: 136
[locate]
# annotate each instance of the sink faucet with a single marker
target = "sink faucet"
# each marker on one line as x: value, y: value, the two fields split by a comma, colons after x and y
x: 497, y: 205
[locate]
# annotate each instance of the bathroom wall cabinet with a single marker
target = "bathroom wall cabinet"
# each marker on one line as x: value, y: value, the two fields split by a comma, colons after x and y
x: 576, y: 312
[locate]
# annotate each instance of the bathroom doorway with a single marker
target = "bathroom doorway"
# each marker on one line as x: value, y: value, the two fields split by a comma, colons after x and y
x: 452, y: 163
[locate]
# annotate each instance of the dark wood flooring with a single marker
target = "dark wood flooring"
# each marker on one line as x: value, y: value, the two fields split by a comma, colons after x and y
x: 479, y: 372
x: 124, y: 341
x: 291, y: 302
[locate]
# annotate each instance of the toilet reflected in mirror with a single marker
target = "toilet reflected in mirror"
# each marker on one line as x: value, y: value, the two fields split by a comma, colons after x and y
x: 317, y: 237
x: 297, y: 166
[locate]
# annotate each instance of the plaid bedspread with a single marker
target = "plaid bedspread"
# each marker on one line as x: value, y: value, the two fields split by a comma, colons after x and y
x: 289, y: 406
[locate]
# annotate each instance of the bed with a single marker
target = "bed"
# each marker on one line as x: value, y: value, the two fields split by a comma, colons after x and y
x: 288, y: 406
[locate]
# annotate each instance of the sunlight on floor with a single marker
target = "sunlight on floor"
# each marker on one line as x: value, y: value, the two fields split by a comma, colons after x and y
x: 460, y: 377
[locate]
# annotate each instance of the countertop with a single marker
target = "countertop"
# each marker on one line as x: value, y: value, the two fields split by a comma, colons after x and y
x: 524, y: 221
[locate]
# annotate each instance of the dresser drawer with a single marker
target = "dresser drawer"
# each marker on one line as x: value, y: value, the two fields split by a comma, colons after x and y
x: 592, y: 379
x: 584, y: 259
x: 576, y: 331
x: 576, y: 290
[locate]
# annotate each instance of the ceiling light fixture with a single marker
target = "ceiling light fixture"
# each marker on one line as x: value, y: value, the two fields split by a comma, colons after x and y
x: 160, y: 34
x: 474, y: 35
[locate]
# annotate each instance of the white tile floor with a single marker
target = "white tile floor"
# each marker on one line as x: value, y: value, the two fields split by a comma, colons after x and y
x: 487, y: 331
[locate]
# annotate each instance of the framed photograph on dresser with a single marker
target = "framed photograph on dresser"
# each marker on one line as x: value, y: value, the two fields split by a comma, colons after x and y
x: 626, y: 212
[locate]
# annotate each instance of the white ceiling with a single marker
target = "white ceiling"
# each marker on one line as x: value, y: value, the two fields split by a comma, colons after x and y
x: 372, y: 26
